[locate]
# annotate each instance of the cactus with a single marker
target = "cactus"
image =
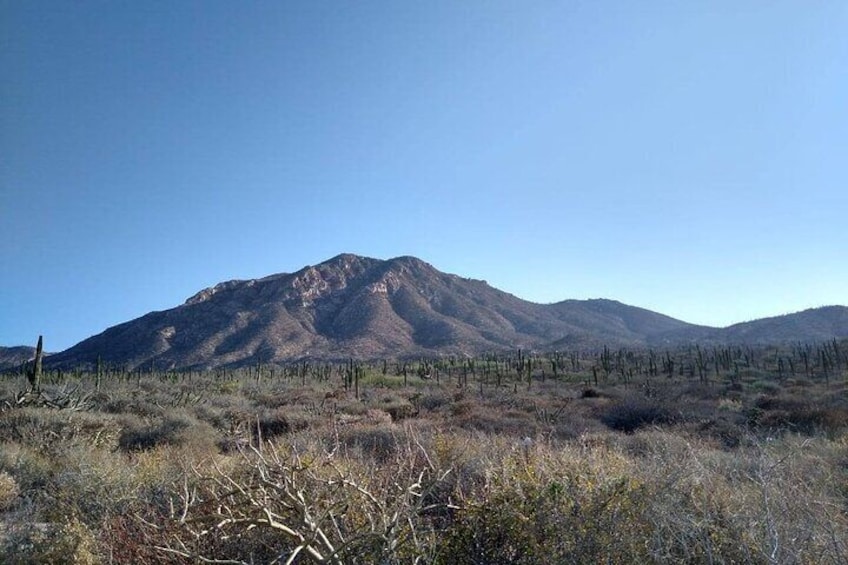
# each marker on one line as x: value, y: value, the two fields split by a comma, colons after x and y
x: 34, y: 374
x: 99, y: 376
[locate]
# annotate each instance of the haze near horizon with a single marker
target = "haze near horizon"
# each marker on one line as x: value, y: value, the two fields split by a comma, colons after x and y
x: 688, y: 158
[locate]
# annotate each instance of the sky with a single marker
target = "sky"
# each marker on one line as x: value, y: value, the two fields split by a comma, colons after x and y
x: 686, y: 157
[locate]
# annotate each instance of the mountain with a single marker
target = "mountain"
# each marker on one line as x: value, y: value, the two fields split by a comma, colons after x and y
x: 13, y: 357
x: 352, y: 306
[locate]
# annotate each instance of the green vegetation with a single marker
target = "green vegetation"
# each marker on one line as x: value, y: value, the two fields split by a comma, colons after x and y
x: 720, y: 455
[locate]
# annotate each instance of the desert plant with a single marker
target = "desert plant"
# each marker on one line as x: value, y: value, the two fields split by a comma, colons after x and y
x: 9, y: 490
x: 303, y: 504
x: 634, y: 412
x: 34, y: 374
x: 72, y: 543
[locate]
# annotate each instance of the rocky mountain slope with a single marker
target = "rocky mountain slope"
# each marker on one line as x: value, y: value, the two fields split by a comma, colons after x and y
x: 352, y: 306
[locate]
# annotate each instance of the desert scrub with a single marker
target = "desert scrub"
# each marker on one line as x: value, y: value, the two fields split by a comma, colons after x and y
x: 31, y: 469
x: 549, y: 505
x: 765, y: 502
x: 272, y: 501
x: 378, y: 443
x: 494, y: 420
x: 743, y: 474
x: 395, y: 405
x: 45, y: 428
x: 635, y: 411
x: 280, y: 421
x: 800, y: 413
x: 431, y: 400
x: 70, y: 543
x: 177, y: 428
x: 9, y: 491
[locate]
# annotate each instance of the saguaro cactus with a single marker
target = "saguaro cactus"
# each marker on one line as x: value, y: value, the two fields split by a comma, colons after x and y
x: 34, y: 374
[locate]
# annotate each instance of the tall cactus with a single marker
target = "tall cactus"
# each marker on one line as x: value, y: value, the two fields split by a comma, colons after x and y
x: 34, y: 374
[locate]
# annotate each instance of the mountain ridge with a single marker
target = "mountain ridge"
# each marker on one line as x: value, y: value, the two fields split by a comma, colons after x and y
x: 361, y: 307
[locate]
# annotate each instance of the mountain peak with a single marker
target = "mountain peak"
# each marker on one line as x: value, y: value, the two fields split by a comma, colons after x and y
x: 346, y: 260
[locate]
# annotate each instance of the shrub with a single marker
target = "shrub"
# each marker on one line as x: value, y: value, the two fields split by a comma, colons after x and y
x: 634, y: 412
x: 728, y: 432
x: 278, y: 422
x: 492, y: 421
x: 433, y: 400
x: 766, y: 386
x: 806, y: 415
x: 176, y: 429
x: 550, y: 508
x: 398, y: 407
x: 704, y: 490
x: 45, y: 428
x: 71, y: 543
x: 381, y: 444
x: 9, y: 491
x: 590, y: 392
x: 806, y: 420
x: 31, y: 469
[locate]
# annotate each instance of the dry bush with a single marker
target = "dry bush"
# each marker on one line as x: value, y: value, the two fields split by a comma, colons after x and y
x: 769, y: 503
x: 10, y: 387
x: 274, y: 503
x: 31, y: 469
x: 351, y: 407
x: 433, y: 399
x: 380, y: 444
x: 560, y: 505
x: 699, y: 391
x: 9, y: 491
x: 70, y: 543
x: 45, y: 428
x: 765, y: 385
x: 177, y: 428
x: 280, y: 422
x: 277, y: 395
x: 489, y: 421
x: 798, y: 412
x: 398, y: 407
x: 729, y: 430
x: 635, y: 411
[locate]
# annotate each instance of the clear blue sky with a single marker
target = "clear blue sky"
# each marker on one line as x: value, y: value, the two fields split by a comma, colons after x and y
x: 687, y: 157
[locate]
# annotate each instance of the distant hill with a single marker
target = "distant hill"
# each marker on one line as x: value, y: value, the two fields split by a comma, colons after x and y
x: 352, y: 306
x: 12, y: 357
x: 815, y: 324
x: 610, y: 322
